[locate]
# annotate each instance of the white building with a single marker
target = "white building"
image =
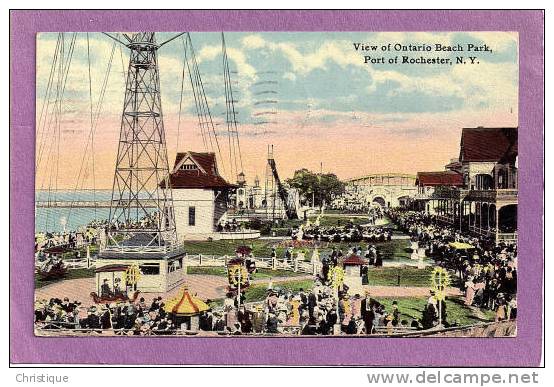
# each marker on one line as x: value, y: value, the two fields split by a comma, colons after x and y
x: 383, y: 189
x: 261, y: 201
x: 199, y: 195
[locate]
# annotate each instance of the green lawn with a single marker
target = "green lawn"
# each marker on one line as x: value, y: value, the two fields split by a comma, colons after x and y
x: 260, y: 274
x: 71, y: 274
x: 260, y: 248
x: 395, y: 248
x: 456, y: 311
x: 399, y: 276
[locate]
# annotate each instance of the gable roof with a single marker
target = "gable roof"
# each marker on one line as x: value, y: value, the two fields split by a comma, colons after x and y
x: 445, y: 178
x: 206, y: 176
x: 453, y: 165
x: 205, y: 161
x: 487, y: 144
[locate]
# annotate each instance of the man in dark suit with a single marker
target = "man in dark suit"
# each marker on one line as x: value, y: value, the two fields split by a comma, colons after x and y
x: 312, y: 302
x: 105, y: 290
x: 368, y: 315
x: 219, y: 324
x: 206, y: 321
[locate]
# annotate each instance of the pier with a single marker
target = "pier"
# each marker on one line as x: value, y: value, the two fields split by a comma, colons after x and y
x: 94, y: 204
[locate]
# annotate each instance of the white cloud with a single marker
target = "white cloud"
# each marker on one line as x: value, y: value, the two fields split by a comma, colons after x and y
x: 253, y: 42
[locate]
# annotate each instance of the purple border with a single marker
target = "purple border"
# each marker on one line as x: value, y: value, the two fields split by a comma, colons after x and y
x: 525, y: 350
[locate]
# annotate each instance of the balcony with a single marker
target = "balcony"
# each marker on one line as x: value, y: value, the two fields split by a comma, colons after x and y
x: 422, y: 196
x: 493, y: 195
x: 449, y: 193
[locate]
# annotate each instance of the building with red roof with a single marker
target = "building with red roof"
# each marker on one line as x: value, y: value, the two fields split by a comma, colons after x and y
x: 478, y: 191
x: 200, y: 194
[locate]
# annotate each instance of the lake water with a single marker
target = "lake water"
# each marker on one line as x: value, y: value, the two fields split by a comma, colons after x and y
x: 53, y: 219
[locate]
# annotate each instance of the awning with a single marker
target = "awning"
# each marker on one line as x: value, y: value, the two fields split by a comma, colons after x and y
x: 461, y: 246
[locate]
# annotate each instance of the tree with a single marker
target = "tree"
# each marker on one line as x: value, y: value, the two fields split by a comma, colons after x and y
x: 316, y: 188
x: 329, y: 186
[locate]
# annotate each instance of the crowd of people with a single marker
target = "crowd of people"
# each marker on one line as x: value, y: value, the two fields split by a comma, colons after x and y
x: 232, y: 226
x: 486, y: 272
x: 313, y: 312
x: 125, y: 317
x: 349, y: 232
x: 68, y: 240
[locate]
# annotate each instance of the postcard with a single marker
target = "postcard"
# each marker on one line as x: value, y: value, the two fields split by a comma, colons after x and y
x: 277, y: 184
x: 344, y: 187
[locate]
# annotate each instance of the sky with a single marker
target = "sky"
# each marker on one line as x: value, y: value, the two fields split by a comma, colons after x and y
x: 309, y: 94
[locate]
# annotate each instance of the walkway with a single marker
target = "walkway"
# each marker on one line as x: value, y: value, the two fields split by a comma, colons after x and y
x: 210, y: 287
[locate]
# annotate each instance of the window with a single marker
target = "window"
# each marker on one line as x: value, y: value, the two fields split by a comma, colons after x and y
x: 192, y: 216
x: 188, y: 167
x: 150, y: 269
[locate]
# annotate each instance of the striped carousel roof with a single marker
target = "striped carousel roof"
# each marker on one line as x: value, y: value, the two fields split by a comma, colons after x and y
x: 185, y: 304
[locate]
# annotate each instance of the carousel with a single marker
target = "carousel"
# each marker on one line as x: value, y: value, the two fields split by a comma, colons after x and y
x: 186, y: 309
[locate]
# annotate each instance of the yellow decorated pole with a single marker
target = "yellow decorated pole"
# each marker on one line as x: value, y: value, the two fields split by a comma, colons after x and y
x: 338, y: 278
x: 238, y: 276
x: 132, y: 276
x: 440, y: 280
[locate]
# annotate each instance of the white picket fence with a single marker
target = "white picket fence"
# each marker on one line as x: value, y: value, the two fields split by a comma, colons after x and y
x: 81, y: 263
x: 261, y: 262
x: 212, y: 261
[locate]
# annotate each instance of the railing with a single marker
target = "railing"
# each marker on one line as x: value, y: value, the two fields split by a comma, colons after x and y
x: 493, y: 194
x: 211, y: 261
x: 445, y: 219
x: 449, y: 193
x: 510, y: 237
x: 492, y: 329
x: 261, y: 262
x: 81, y: 263
x: 480, y: 231
x: 421, y: 196
x: 75, y: 263
x: 240, y: 234
x: 142, y: 249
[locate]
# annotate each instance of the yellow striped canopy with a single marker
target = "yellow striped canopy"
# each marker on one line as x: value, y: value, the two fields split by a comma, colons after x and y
x: 185, y: 304
x: 461, y: 246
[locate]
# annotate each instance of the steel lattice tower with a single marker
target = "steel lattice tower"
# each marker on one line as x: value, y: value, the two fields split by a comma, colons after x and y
x: 141, y: 214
